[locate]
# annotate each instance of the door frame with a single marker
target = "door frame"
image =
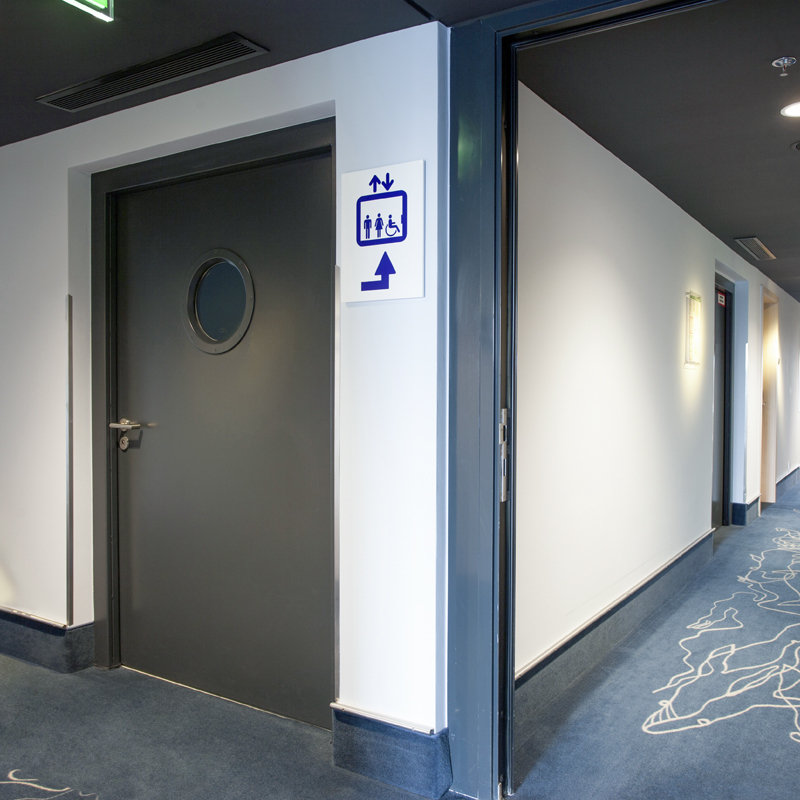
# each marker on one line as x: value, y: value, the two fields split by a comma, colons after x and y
x: 482, y: 350
x: 284, y: 144
x: 729, y: 288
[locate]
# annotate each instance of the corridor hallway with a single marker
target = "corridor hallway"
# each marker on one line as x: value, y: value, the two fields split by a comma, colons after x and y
x: 702, y: 702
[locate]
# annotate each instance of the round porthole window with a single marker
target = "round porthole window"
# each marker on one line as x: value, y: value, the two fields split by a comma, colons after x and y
x: 218, y: 304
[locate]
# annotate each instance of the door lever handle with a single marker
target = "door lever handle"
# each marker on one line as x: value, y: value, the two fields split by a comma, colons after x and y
x: 124, y: 425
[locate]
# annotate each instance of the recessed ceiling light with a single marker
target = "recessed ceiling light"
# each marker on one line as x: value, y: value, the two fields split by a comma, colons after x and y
x: 791, y: 111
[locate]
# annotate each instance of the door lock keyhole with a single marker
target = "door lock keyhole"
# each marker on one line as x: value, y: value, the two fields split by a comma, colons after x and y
x: 124, y: 425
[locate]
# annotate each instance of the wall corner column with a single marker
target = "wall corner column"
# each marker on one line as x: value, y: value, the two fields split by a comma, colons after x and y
x: 473, y: 698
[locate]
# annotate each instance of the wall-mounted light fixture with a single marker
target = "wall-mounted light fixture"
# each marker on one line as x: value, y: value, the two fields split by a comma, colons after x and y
x: 693, y: 331
x: 102, y: 9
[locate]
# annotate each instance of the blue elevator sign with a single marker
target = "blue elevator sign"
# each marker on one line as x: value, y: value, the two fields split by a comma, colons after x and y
x: 383, y: 246
x: 381, y: 217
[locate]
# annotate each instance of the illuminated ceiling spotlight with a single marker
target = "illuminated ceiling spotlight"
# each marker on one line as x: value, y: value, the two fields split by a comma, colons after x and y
x: 102, y: 9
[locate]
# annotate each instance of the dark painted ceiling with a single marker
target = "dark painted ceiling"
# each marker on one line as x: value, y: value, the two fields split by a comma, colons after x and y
x: 47, y: 45
x: 692, y: 103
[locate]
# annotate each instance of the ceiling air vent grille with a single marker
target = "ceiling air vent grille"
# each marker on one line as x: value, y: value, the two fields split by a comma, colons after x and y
x: 755, y: 248
x: 211, y: 55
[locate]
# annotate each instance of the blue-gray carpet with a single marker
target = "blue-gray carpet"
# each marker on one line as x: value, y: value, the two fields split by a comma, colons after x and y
x: 703, y: 701
x: 120, y: 735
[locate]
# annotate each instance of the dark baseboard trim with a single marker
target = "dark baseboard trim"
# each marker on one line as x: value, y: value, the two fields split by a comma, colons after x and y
x: 744, y: 513
x: 548, y: 678
x: 416, y: 762
x: 60, y: 649
x: 679, y: 572
x: 786, y: 483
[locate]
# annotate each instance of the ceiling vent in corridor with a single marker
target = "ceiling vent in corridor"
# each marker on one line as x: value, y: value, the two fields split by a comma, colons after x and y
x: 217, y: 53
x: 754, y: 247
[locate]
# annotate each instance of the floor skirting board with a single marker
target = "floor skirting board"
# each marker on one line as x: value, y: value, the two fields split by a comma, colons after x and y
x: 59, y: 649
x: 547, y: 679
x: 416, y: 762
x: 786, y: 483
x: 744, y: 513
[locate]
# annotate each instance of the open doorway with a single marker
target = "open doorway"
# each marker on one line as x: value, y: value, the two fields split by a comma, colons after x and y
x: 769, y: 416
x: 610, y: 422
x: 723, y: 381
x: 604, y: 427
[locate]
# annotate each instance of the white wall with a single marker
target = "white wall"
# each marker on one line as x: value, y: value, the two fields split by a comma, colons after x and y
x: 391, y: 521
x: 788, y: 378
x: 614, y: 435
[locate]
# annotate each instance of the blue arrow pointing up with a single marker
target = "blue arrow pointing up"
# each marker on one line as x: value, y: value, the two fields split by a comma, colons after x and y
x: 385, y: 269
x: 387, y: 184
x: 375, y: 183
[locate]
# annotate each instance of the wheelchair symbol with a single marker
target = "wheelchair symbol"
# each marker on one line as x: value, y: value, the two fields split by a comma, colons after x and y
x: 381, y: 218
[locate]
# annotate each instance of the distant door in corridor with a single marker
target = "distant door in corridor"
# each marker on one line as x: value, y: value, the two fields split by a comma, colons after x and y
x: 225, y: 493
x: 720, y: 486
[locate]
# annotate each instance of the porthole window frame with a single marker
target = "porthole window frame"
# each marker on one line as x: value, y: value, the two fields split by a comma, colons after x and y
x: 194, y: 330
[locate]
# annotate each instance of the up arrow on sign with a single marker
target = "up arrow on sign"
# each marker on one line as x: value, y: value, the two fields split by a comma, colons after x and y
x: 385, y: 269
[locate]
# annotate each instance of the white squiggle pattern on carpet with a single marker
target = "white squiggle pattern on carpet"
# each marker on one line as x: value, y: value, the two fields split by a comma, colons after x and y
x: 727, y: 673
x: 19, y: 788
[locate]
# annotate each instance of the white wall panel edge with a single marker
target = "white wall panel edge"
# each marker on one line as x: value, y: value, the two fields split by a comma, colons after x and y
x: 443, y: 368
x: 78, y: 281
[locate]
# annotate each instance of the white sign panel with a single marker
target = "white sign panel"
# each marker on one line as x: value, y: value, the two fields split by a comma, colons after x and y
x: 383, y: 233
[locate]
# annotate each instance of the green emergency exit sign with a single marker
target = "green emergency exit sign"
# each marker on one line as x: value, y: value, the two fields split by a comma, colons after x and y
x: 102, y: 9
